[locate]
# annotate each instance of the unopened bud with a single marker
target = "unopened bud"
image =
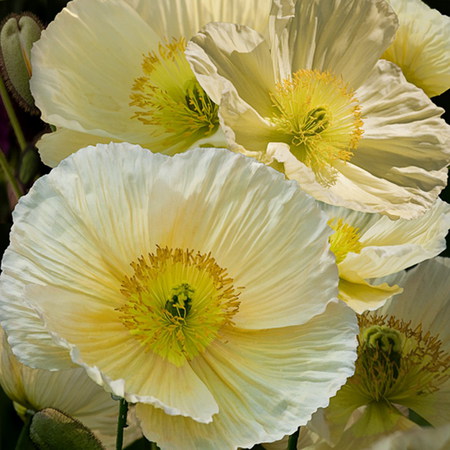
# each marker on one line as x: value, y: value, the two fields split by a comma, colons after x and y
x: 17, y: 35
x: 53, y: 430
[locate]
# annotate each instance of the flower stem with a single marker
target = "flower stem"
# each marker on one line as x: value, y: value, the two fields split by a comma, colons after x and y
x: 121, y: 422
x: 12, y: 116
x: 292, y: 442
x: 24, y: 442
x: 4, y: 165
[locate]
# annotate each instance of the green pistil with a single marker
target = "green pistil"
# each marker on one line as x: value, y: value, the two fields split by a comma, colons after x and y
x: 180, y: 303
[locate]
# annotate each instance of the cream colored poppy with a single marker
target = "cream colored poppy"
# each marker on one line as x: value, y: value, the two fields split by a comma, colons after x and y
x: 115, y: 71
x: 317, y: 103
x: 403, y: 366
x: 70, y: 391
x: 200, y: 287
x: 369, y: 246
x: 421, y: 46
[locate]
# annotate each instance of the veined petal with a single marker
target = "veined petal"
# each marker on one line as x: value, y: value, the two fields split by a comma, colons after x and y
x: 70, y: 391
x: 185, y: 18
x: 226, y: 57
x: 425, y: 295
x: 393, y: 245
x: 148, y: 269
x: 333, y: 155
x: 135, y: 84
x: 397, y: 118
x: 335, y: 36
x: 92, y: 96
x: 422, y: 46
x: 250, y: 393
x: 400, y: 165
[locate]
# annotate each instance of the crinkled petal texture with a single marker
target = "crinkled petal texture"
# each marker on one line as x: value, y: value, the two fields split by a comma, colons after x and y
x: 70, y: 391
x: 90, y: 101
x: 399, y: 162
x: 388, y: 246
x: 337, y: 36
x: 248, y: 377
x: 286, y: 350
x: 422, y: 46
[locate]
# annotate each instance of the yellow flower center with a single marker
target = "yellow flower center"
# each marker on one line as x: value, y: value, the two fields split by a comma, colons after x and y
x: 319, y: 117
x: 177, y: 302
x: 169, y: 97
x: 344, y: 240
x: 396, y: 362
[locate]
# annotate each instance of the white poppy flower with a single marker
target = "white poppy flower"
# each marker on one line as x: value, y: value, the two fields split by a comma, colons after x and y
x: 200, y: 287
x: 369, y: 246
x: 403, y: 366
x: 115, y: 70
x: 316, y: 102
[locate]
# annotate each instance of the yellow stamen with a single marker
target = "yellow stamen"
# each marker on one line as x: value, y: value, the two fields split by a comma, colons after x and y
x: 170, y: 98
x: 319, y: 117
x: 344, y: 240
x: 177, y: 302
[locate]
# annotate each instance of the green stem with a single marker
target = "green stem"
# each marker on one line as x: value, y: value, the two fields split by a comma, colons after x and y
x: 292, y: 442
x: 419, y: 420
x: 121, y: 422
x: 12, y: 116
x: 9, y: 175
x: 24, y: 442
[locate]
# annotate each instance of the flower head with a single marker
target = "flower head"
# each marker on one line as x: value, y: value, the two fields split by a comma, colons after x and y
x: 134, y: 84
x: 316, y: 102
x: 370, y: 246
x: 199, y: 286
x: 403, y: 364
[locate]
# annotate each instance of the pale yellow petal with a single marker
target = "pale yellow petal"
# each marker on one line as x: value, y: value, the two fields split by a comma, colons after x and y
x: 84, y: 66
x: 393, y: 245
x: 337, y: 36
x: 362, y: 296
x: 422, y: 46
x: 114, y: 359
x: 70, y: 391
x: 176, y: 18
x: 54, y: 147
x: 243, y: 380
x: 226, y: 57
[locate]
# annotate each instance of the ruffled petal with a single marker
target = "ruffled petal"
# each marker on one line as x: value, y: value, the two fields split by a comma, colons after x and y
x: 247, y: 381
x: 393, y: 245
x: 334, y: 36
x: 422, y: 46
x: 228, y: 57
x: 185, y: 18
x: 83, y: 69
